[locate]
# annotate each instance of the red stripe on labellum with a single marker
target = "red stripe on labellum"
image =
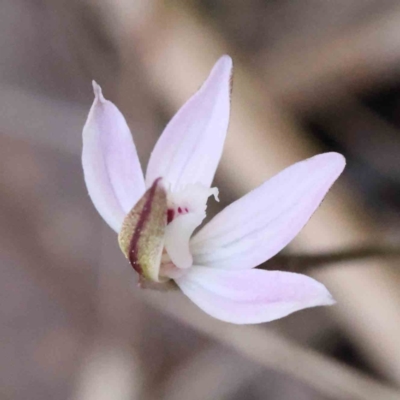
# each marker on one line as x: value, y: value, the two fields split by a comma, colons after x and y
x: 170, y: 215
x: 144, y: 216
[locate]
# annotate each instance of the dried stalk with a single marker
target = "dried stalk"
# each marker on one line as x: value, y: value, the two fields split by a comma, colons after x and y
x: 304, y: 262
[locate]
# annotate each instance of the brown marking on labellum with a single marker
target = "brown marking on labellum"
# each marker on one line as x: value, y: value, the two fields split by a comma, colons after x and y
x: 144, y: 216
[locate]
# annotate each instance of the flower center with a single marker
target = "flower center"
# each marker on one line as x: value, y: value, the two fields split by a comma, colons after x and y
x: 186, y: 211
x: 155, y: 234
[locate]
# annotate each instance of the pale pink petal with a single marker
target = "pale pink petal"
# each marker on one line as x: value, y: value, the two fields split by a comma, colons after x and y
x: 260, y: 224
x: 177, y: 237
x: 251, y: 296
x: 190, y: 147
x: 111, y: 166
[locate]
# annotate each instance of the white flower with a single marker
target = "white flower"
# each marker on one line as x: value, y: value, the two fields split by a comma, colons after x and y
x: 156, y: 215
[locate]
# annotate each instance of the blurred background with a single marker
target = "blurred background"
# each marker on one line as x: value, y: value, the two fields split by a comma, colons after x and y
x: 309, y: 77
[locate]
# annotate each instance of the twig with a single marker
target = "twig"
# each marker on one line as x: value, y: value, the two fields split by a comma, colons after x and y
x: 305, y: 262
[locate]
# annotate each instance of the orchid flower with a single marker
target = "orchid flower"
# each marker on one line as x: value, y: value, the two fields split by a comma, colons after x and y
x: 156, y: 215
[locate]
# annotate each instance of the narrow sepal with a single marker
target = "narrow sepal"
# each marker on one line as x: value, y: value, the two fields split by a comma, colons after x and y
x: 251, y: 296
x: 111, y: 167
x: 259, y: 225
x: 190, y: 147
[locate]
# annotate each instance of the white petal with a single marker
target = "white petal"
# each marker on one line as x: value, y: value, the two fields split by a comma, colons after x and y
x: 251, y: 296
x: 177, y: 236
x: 190, y: 147
x: 260, y: 224
x: 111, y: 166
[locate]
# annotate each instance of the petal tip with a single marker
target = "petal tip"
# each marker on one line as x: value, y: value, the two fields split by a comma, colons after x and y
x: 332, y: 162
x: 225, y: 66
x: 328, y: 300
x: 325, y: 298
x: 335, y: 159
x: 98, y: 94
x: 226, y: 61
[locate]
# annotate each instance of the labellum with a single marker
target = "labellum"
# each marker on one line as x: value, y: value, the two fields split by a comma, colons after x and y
x: 141, y: 238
